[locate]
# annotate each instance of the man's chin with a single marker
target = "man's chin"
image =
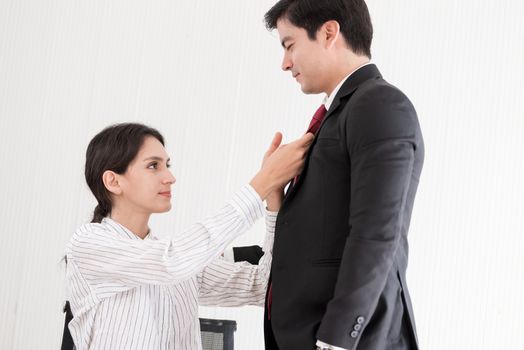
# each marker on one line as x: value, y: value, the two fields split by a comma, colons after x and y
x: 304, y: 89
x: 309, y: 90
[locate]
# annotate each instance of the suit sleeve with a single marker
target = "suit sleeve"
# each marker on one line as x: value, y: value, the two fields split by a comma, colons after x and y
x: 381, y: 139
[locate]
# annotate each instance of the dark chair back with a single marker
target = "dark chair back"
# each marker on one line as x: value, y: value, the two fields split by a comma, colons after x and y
x: 67, y: 341
x: 217, y: 334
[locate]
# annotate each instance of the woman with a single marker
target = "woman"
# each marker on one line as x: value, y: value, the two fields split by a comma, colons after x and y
x: 132, y: 290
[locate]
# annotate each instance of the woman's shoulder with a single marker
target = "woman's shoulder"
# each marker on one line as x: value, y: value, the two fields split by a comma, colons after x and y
x: 91, y: 227
x: 86, y: 234
x: 89, y: 230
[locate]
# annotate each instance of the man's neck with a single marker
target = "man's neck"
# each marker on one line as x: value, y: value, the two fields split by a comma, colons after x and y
x: 345, y: 70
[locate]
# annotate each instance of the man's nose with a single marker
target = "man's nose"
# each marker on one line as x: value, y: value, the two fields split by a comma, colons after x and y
x: 286, y: 63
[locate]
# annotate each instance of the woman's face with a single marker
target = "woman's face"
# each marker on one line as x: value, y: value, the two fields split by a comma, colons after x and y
x: 146, y: 184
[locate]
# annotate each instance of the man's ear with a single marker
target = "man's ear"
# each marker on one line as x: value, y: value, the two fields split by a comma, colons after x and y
x: 330, y: 32
x: 110, y: 179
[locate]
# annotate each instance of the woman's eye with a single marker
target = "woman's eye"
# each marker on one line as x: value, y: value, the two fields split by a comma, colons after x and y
x: 168, y: 165
x: 152, y: 166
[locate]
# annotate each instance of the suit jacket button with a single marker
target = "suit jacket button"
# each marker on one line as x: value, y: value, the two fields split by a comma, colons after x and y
x: 360, y: 320
x: 357, y: 327
x: 354, y: 334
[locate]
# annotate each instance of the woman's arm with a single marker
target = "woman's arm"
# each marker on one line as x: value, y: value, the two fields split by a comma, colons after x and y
x: 224, y: 283
x: 103, y: 257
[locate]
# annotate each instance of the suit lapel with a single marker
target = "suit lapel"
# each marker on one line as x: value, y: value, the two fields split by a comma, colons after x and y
x: 350, y: 85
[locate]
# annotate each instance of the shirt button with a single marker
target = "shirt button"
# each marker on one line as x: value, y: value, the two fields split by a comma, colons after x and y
x: 357, y: 327
x: 360, y: 320
x: 354, y: 334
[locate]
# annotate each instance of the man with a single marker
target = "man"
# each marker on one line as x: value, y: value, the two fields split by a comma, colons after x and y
x: 341, y: 251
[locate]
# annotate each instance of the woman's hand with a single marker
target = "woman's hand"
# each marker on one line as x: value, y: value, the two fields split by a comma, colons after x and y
x: 281, y: 163
x: 274, y: 199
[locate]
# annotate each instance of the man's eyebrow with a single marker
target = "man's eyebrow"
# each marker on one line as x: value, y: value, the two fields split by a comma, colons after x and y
x: 160, y: 159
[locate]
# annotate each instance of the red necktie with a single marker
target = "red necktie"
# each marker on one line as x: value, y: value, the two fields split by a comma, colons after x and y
x: 319, y: 115
x: 313, y: 127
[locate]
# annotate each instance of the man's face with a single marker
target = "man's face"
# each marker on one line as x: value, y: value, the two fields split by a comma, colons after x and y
x: 306, y: 59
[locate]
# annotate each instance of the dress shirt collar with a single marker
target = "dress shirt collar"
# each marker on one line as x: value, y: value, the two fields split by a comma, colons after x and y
x: 328, y: 100
x: 121, y: 230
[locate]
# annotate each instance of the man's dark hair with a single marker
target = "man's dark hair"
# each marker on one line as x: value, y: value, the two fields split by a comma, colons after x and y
x: 352, y: 16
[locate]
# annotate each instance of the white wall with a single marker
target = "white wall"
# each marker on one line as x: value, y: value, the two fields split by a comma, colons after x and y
x: 206, y: 73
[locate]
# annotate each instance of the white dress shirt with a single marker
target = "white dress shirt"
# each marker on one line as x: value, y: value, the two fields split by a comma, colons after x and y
x: 129, y: 293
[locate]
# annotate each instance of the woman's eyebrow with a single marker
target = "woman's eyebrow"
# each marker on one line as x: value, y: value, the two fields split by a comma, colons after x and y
x: 160, y: 159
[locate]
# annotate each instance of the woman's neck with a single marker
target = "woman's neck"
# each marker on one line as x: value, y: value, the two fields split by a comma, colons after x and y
x: 136, y: 222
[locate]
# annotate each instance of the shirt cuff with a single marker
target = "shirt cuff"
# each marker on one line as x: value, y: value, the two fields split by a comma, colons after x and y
x: 271, y: 215
x: 322, y: 344
x: 247, y: 202
x: 271, y: 221
x: 229, y: 255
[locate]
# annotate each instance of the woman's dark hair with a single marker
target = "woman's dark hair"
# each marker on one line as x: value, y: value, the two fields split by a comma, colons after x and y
x: 352, y: 16
x: 114, y: 148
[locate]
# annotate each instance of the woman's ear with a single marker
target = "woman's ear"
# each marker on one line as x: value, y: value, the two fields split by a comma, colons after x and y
x: 110, y: 179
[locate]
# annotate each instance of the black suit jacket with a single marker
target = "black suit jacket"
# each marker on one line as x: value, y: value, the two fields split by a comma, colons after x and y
x: 341, y: 250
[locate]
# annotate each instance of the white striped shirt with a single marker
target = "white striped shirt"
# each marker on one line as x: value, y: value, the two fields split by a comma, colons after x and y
x: 128, y: 293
